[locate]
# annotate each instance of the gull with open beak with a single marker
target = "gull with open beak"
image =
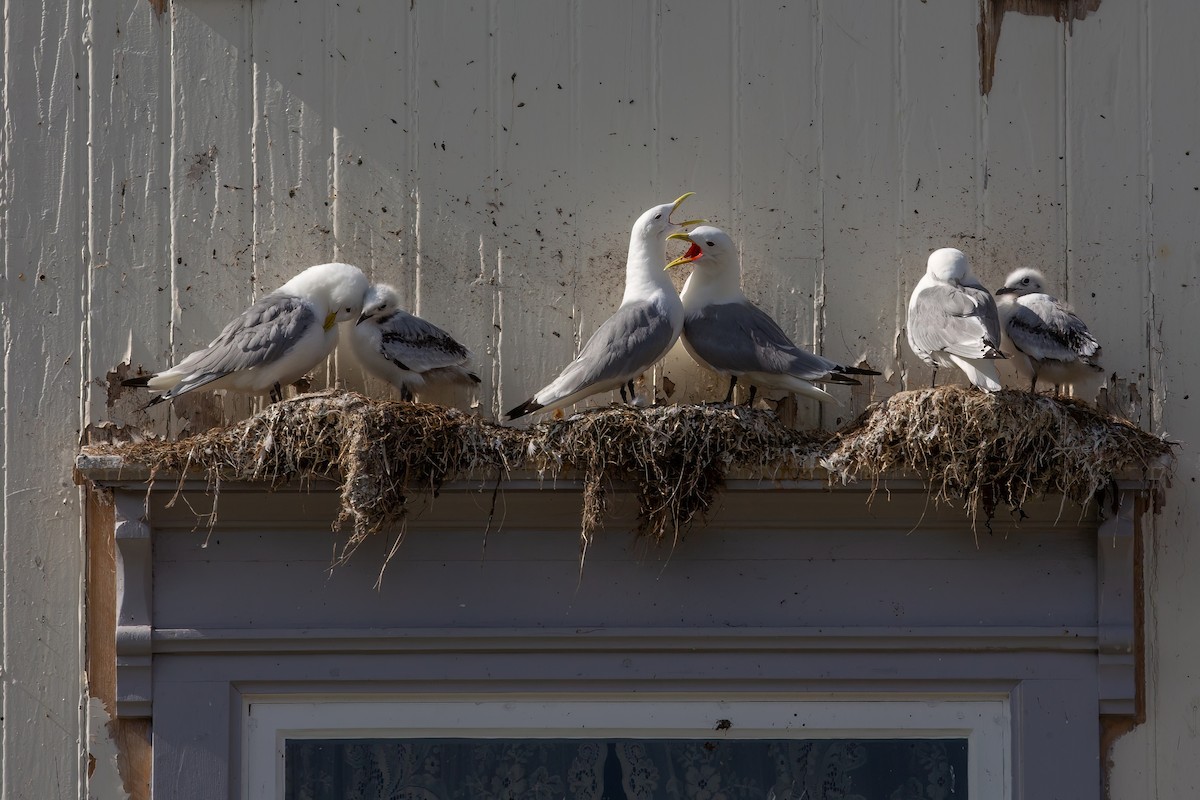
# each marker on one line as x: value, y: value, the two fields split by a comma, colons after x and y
x: 272, y: 343
x: 726, y: 333
x: 638, y: 335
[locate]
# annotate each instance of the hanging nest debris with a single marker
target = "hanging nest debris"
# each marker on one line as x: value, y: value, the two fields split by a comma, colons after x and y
x: 676, y: 457
x: 987, y: 449
x: 984, y: 448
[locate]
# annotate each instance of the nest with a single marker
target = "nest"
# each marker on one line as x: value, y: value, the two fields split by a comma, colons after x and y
x: 676, y: 457
x: 983, y: 448
x: 987, y: 449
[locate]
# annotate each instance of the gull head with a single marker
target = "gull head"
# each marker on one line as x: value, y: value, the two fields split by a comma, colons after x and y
x: 340, y: 287
x: 948, y: 265
x: 656, y: 222
x: 381, y: 300
x: 1026, y: 280
x: 709, y: 249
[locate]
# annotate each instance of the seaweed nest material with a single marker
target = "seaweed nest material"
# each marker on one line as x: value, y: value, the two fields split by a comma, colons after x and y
x: 996, y: 448
x: 983, y: 448
x: 676, y: 457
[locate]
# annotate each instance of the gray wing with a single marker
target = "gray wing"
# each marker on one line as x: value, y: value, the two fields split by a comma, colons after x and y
x: 260, y: 335
x: 962, y: 321
x: 414, y: 344
x: 628, y: 342
x: 740, y: 337
x: 1043, y: 328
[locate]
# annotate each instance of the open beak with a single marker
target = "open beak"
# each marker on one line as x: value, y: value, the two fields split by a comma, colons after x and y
x: 363, y: 317
x: 675, y: 206
x: 1005, y: 290
x: 691, y: 255
x: 330, y: 320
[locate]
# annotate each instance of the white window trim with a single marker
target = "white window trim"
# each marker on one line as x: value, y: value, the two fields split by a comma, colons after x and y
x: 984, y: 720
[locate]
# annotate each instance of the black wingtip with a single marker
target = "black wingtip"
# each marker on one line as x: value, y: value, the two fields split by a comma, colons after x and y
x: 859, y: 371
x: 474, y: 377
x: 839, y: 378
x: 140, y: 380
x: 162, y: 398
x: 528, y: 407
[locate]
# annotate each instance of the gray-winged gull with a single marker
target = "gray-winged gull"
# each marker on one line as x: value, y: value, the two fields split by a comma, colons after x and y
x: 952, y: 319
x: 639, y: 334
x: 726, y: 333
x: 272, y: 343
x: 1051, y: 342
x: 405, y: 350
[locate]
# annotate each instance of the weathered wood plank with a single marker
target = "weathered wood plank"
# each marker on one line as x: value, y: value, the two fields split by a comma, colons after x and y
x: 44, y: 87
x: 130, y: 298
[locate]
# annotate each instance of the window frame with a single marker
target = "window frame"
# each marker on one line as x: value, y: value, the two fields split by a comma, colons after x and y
x: 985, y: 720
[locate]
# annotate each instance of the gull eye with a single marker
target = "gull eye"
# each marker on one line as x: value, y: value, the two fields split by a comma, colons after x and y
x: 658, y: 216
x: 347, y: 309
x: 710, y: 244
x: 1026, y: 281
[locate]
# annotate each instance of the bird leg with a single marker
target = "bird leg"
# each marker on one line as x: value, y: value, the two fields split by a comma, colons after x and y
x: 753, y: 391
x: 729, y: 394
x: 276, y: 393
x: 632, y: 392
x: 624, y: 398
x: 933, y: 380
x: 1033, y: 384
x: 406, y: 394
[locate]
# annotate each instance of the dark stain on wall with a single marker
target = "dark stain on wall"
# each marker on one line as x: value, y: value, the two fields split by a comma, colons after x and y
x: 991, y: 15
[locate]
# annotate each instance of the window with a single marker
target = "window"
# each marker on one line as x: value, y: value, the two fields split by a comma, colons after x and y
x: 657, y: 746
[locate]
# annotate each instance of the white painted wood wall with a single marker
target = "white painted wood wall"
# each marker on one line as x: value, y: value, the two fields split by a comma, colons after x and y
x: 489, y: 157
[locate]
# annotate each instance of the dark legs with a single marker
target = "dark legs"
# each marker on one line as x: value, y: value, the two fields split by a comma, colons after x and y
x: 933, y: 381
x: 753, y: 391
x: 276, y: 393
x: 729, y: 394
x: 406, y: 394
x: 632, y: 397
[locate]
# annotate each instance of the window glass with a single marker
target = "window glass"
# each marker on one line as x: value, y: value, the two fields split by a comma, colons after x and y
x: 599, y: 769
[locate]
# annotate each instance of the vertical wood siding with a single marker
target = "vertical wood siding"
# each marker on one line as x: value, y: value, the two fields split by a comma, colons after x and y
x: 488, y: 158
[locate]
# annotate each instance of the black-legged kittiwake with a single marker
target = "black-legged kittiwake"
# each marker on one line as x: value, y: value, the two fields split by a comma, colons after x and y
x: 638, y: 335
x: 405, y: 350
x: 272, y: 343
x: 1051, y: 342
x: 952, y: 319
x: 726, y: 333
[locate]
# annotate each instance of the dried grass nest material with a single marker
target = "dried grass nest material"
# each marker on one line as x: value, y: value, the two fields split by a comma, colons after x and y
x: 996, y: 448
x: 986, y: 449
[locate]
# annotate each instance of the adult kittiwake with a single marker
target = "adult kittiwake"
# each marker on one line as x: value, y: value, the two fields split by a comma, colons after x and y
x: 726, y: 333
x: 952, y: 319
x: 639, y: 334
x: 405, y: 350
x: 1051, y: 342
x: 272, y: 343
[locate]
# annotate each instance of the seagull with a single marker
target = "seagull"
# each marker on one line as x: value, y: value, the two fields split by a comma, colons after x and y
x: 1052, y: 342
x: 405, y: 350
x: 952, y: 319
x: 641, y: 331
x: 726, y: 333
x: 273, y: 342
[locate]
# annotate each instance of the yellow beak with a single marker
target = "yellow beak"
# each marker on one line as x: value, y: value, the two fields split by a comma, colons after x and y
x: 330, y: 320
x: 683, y: 259
x: 675, y: 206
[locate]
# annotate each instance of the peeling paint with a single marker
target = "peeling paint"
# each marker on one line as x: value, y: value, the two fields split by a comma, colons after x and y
x: 104, y: 775
x: 991, y: 16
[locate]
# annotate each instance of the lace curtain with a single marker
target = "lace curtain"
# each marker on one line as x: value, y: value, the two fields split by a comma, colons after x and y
x: 558, y: 769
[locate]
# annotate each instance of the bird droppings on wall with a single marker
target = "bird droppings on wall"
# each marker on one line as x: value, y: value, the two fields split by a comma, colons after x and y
x: 159, y: 7
x: 991, y: 16
x: 983, y: 449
